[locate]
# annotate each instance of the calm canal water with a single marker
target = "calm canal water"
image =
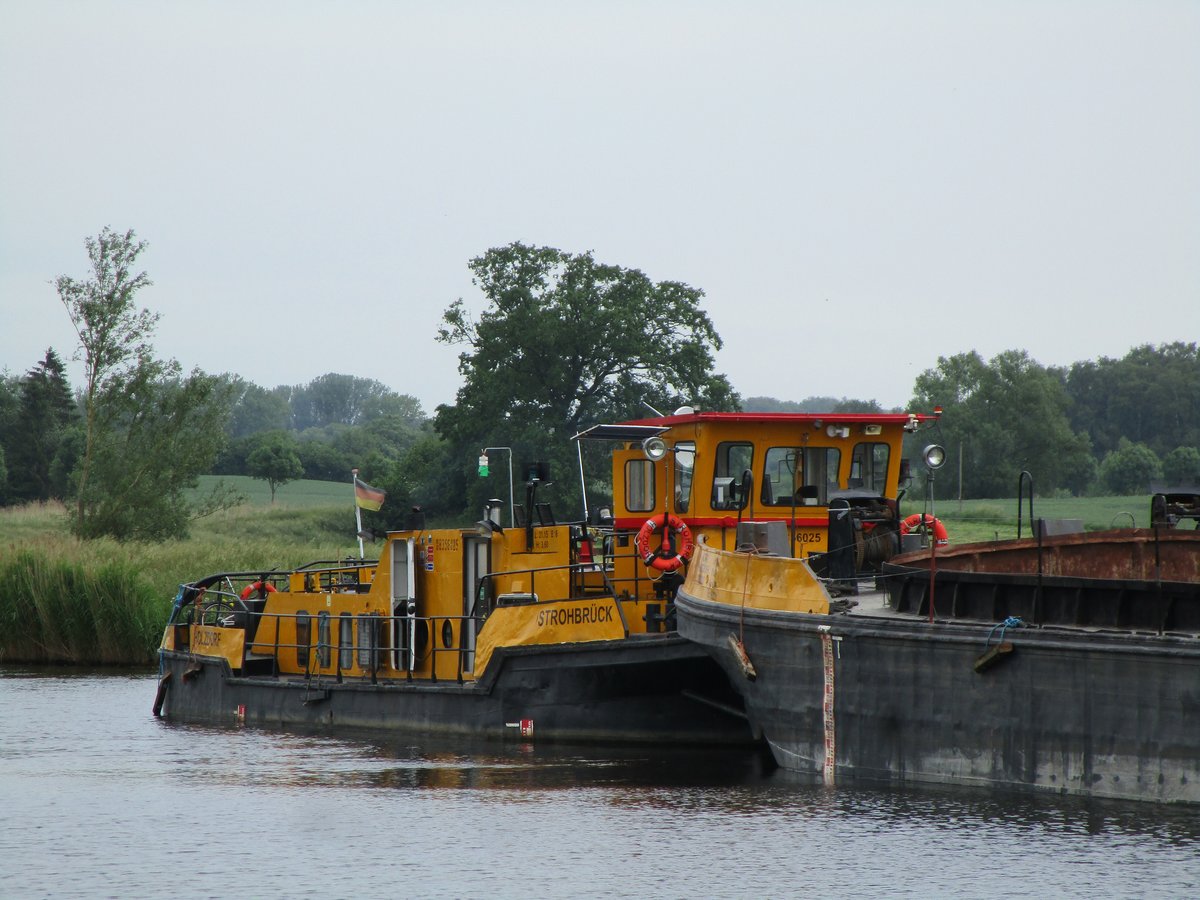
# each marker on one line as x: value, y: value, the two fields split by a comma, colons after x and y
x: 99, y: 799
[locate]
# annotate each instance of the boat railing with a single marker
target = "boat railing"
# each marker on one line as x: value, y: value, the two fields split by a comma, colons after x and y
x: 577, y: 588
x: 359, y: 648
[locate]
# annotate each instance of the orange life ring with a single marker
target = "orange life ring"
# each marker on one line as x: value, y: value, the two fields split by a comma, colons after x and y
x: 665, y: 557
x: 257, y: 586
x: 918, y: 519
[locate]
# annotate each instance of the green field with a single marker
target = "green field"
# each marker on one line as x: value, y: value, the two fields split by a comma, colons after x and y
x: 988, y: 520
x: 293, y: 495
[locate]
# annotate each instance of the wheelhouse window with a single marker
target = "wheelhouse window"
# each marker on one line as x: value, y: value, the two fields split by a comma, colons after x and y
x: 639, y: 485
x: 782, y: 476
x: 795, y: 474
x: 732, y: 459
x: 869, y: 467
x: 821, y: 465
x: 685, y: 465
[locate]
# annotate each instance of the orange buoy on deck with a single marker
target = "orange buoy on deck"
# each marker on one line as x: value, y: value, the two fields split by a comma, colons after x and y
x: 918, y: 520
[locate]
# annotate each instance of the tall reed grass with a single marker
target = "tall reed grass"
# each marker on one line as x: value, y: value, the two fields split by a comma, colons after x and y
x: 57, y: 610
x: 100, y: 602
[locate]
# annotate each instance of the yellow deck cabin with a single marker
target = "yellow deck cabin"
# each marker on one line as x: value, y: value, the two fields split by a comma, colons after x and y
x: 463, y: 606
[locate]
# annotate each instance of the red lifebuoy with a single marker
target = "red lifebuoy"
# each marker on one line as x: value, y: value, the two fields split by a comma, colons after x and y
x: 257, y: 586
x: 918, y: 519
x: 665, y: 557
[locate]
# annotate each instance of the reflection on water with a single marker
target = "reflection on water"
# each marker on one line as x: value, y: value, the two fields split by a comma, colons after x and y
x: 101, y: 799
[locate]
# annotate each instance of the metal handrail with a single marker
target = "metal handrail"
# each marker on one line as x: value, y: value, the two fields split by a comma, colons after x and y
x: 374, y: 648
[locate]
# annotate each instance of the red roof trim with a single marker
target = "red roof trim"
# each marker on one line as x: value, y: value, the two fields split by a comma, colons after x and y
x: 767, y: 418
x: 633, y: 524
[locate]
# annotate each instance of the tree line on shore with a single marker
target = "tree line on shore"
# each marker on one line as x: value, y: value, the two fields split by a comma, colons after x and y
x: 563, y: 342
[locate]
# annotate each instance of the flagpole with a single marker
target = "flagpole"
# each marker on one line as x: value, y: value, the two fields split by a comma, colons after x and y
x: 357, y: 511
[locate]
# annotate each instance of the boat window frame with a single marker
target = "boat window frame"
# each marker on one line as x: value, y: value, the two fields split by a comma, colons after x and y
x: 303, y: 637
x: 727, y: 475
x: 345, y: 641
x: 684, y: 474
x: 364, y: 643
x: 640, y: 475
x: 879, y: 476
x: 792, y: 457
x: 816, y: 465
x: 324, y: 654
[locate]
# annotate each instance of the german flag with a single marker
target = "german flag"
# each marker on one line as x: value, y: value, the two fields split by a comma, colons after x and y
x: 366, y: 496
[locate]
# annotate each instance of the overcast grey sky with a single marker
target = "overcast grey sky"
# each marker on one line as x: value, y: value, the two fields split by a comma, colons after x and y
x: 858, y: 187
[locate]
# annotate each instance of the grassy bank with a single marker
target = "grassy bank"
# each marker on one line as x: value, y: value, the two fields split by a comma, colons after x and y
x: 104, y: 603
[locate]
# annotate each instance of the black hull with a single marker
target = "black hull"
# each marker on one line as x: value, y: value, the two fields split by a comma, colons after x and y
x: 656, y: 690
x: 1070, y: 711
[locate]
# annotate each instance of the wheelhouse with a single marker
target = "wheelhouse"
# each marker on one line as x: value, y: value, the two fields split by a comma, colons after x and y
x: 833, y: 481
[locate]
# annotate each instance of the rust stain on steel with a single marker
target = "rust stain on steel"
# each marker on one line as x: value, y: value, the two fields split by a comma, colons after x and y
x: 1112, y: 555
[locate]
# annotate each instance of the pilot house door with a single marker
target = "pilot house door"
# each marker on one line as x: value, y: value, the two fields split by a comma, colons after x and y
x: 475, y: 559
x: 404, y: 606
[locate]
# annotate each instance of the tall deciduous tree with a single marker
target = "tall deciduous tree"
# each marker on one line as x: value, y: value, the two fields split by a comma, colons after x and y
x: 1006, y: 415
x: 114, y: 337
x: 255, y: 409
x: 565, y: 342
x: 148, y: 432
x: 334, y: 399
x: 1150, y: 396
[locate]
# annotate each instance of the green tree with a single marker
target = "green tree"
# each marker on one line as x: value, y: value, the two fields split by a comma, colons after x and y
x: 422, y: 478
x: 1182, y: 467
x: 1007, y: 415
x: 275, y: 459
x: 10, y: 401
x: 321, y: 460
x: 255, y: 409
x: 43, y: 419
x: 566, y: 342
x: 811, y: 405
x: 1150, y: 396
x: 148, y: 432
x: 1130, y: 468
x: 335, y: 399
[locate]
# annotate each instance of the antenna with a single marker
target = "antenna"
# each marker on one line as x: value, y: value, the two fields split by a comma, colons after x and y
x: 653, y: 410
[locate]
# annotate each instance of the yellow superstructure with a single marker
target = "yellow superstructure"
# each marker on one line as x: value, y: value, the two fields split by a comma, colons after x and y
x: 439, y: 604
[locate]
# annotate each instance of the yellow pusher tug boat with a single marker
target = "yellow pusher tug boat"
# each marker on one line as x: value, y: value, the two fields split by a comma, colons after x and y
x: 534, y: 629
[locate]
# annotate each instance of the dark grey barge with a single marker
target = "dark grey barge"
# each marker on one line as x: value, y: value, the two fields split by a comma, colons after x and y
x: 1069, y: 664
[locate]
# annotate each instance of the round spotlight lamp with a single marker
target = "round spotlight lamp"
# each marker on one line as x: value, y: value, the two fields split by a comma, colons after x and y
x: 935, y: 456
x: 655, y: 448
